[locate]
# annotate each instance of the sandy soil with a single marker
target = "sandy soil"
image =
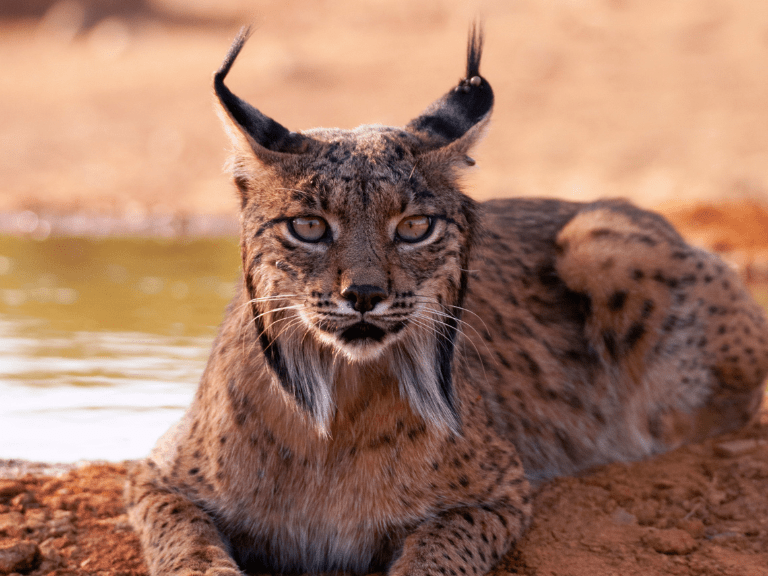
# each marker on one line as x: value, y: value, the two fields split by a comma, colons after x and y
x: 108, y: 126
x: 700, y: 510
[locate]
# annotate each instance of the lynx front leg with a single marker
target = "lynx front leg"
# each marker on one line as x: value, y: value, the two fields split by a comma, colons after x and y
x: 462, y: 541
x: 176, y: 535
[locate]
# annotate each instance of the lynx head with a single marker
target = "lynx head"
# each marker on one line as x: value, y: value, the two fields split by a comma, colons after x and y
x: 356, y: 243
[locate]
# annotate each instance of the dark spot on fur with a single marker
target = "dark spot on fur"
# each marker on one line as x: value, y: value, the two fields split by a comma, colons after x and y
x: 669, y: 323
x: 634, y: 334
x: 688, y: 280
x: 573, y: 400
x: 647, y: 309
x: 533, y: 368
x: 655, y: 427
x: 501, y: 358
x: 617, y: 300
x: 567, y: 444
x: 414, y: 433
x: 602, y: 233
x: 383, y: 440
x: 644, y: 239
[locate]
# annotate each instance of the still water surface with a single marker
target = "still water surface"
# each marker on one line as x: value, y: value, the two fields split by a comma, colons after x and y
x: 103, y: 341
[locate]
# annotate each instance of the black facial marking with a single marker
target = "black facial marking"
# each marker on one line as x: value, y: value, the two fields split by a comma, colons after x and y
x: 445, y: 346
x: 267, y: 225
x: 302, y: 390
x: 286, y: 245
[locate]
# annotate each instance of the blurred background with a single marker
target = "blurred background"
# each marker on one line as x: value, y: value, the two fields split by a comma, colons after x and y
x: 118, y: 225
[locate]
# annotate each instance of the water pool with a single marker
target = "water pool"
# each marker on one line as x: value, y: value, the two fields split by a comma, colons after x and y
x: 103, y: 341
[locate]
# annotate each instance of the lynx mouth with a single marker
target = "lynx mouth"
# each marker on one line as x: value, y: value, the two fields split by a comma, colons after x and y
x: 361, y: 332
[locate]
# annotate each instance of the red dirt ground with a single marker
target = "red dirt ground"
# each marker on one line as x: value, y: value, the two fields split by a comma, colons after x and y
x: 700, y: 510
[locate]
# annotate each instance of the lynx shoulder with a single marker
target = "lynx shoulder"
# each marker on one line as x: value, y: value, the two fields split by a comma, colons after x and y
x: 400, y: 361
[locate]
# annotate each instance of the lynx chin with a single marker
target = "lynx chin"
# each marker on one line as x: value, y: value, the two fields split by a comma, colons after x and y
x: 401, y: 361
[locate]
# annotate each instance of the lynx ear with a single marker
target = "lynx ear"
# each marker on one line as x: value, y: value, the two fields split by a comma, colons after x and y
x: 261, y: 133
x: 459, y: 116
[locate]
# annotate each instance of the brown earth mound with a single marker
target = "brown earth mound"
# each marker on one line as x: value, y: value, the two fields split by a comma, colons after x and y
x: 699, y: 510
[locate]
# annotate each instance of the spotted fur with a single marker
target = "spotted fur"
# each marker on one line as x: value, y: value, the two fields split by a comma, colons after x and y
x: 375, y: 402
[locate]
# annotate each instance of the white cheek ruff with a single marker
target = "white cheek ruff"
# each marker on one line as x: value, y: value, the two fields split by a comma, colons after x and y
x: 419, y: 357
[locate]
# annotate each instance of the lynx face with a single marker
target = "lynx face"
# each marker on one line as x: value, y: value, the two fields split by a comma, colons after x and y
x: 358, y: 258
x: 356, y: 244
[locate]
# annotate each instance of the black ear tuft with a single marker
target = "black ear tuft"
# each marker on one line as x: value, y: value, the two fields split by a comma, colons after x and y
x: 456, y: 112
x: 262, y: 129
x: 474, y: 50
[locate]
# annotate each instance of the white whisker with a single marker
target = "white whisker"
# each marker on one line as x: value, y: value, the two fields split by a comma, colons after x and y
x: 281, y: 309
x: 428, y: 300
x: 255, y: 341
x: 479, y: 356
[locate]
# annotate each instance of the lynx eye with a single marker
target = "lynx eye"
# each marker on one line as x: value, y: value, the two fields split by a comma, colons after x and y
x: 308, y: 228
x: 414, y: 228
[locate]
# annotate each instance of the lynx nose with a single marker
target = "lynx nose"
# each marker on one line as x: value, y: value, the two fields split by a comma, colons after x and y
x: 364, y: 296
